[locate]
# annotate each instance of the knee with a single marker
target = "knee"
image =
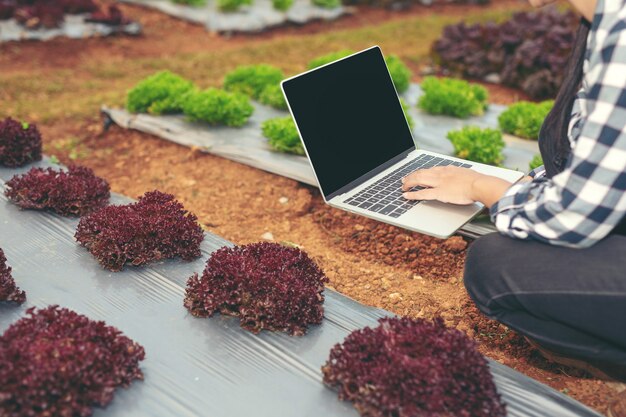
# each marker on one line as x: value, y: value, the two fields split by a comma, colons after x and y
x: 483, y: 269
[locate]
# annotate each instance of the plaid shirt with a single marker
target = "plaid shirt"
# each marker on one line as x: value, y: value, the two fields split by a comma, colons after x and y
x: 581, y: 205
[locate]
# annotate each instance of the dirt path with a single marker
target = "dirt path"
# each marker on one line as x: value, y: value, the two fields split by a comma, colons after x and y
x: 376, y: 264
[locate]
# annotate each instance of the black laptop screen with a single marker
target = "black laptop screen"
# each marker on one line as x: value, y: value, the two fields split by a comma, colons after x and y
x: 350, y: 118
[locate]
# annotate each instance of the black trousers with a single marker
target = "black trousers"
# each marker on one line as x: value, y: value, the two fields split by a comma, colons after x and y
x: 572, y: 301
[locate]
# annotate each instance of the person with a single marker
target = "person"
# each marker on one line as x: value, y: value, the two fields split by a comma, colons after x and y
x: 556, y: 271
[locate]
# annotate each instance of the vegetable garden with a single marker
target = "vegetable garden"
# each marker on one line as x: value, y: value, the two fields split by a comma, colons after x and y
x: 228, y: 278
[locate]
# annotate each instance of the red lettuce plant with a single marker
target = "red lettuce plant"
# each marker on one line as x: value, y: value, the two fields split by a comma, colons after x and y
x: 74, y: 192
x: 528, y: 51
x: 55, y: 362
x: 20, y: 143
x: 406, y: 368
x: 155, y: 227
x: 267, y: 285
x: 8, y: 290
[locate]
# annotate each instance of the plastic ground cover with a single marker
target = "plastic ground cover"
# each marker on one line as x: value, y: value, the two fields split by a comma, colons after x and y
x: 203, y: 367
x: 74, y: 26
x: 257, y: 17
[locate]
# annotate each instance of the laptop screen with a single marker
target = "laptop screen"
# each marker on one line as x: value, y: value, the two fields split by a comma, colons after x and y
x: 349, y: 117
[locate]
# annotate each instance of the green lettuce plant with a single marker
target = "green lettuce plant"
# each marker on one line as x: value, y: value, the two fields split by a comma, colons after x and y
x: 217, y: 107
x: 252, y: 79
x: 272, y: 95
x: 232, y: 5
x: 478, y: 145
x: 536, y: 162
x: 261, y: 82
x: 282, y: 5
x: 524, y: 119
x: 195, y: 3
x: 327, y: 4
x: 158, y: 94
x: 452, y: 97
x: 325, y: 59
x: 282, y: 135
x: 400, y: 73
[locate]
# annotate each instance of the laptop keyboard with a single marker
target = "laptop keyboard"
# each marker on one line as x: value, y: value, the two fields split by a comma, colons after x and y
x: 385, y: 195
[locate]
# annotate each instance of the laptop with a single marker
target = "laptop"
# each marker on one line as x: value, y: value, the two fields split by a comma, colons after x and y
x: 360, y: 146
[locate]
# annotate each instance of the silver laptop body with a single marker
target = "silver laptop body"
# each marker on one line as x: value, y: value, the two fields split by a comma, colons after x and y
x: 356, y: 136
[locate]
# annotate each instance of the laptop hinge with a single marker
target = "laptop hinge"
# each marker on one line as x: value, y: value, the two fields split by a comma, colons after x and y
x: 370, y: 174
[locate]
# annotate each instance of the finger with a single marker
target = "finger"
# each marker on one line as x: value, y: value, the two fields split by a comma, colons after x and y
x: 422, y: 177
x: 426, y: 194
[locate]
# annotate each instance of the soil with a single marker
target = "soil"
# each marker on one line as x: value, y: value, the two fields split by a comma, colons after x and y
x: 376, y: 264
x: 164, y: 35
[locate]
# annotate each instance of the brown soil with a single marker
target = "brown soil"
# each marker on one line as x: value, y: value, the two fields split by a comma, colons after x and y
x: 380, y: 242
x: 376, y: 264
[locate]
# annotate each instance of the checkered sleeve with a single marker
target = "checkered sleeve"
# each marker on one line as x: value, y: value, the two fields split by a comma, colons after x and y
x: 537, y: 172
x: 582, y: 204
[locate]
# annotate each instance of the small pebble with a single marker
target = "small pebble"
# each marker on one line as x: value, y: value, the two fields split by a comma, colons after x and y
x: 267, y: 236
x: 283, y: 200
x: 385, y: 283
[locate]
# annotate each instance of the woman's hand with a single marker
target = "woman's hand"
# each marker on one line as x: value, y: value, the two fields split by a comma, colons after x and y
x: 454, y: 185
x: 447, y: 184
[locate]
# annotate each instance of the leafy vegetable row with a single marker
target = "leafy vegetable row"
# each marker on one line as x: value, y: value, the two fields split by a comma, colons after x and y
x: 168, y: 93
x: 283, y: 5
x: 35, y: 14
x: 458, y: 98
x: 235, y: 5
x: 165, y: 93
x: 452, y: 97
x: 529, y: 51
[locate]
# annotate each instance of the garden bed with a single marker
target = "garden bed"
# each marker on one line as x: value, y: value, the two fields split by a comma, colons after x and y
x: 242, y: 203
x: 247, y: 145
x: 74, y: 26
x: 259, y: 16
x: 195, y: 366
